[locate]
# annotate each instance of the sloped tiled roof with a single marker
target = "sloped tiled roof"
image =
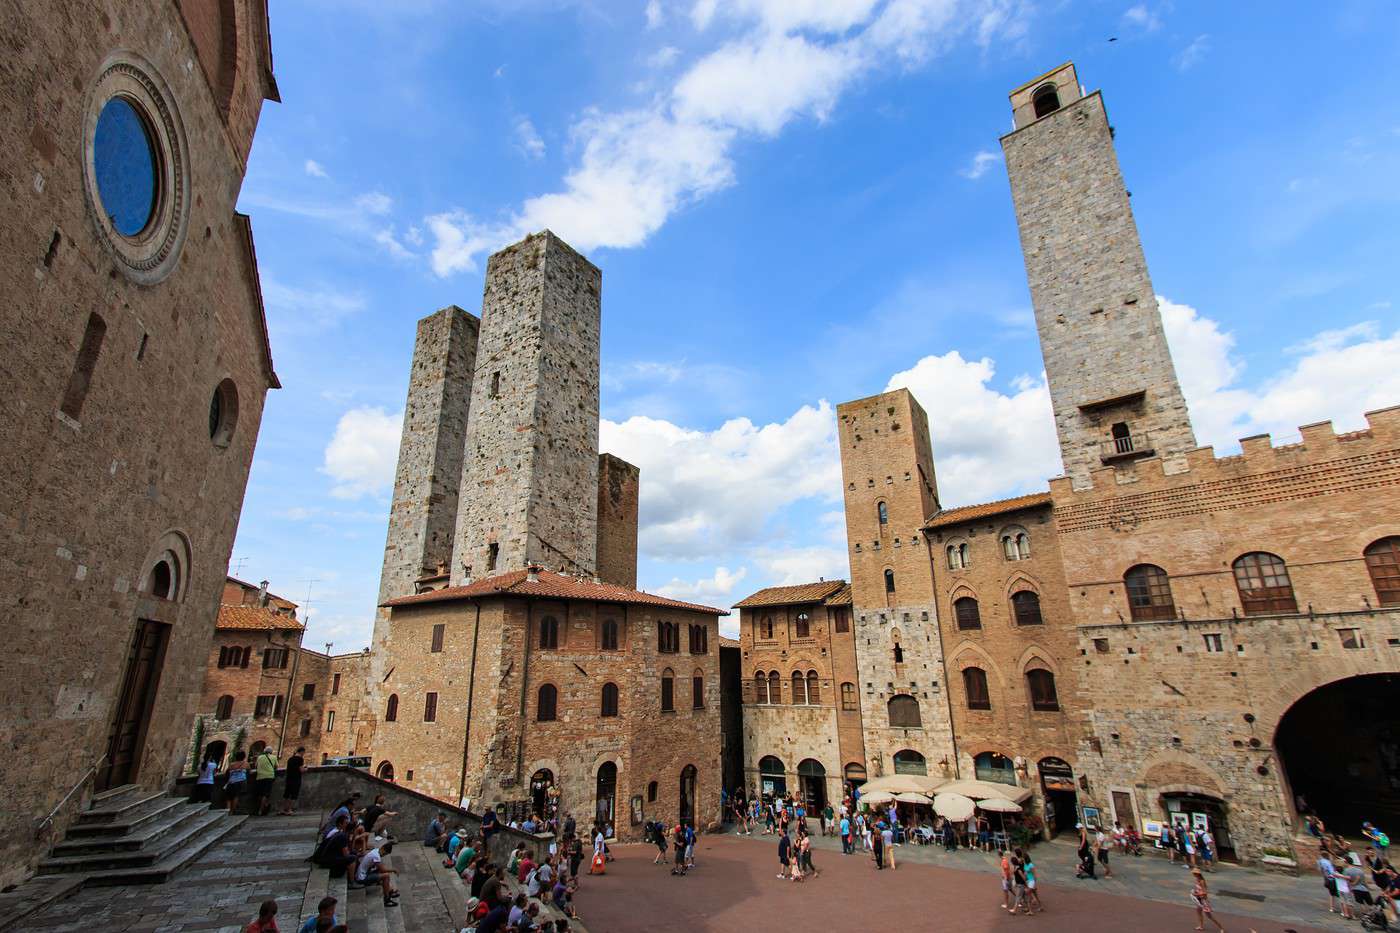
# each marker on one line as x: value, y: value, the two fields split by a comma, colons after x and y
x: 788, y: 595
x: 1000, y: 507
x: 728, y: 642
x: 841, y: 597
x: 255, y: 618
x: 549, y: 585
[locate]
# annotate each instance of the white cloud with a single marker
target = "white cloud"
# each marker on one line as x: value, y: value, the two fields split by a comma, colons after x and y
x: 654, y: 14
x: 375, y: 202
x: 663, y: 57
x: 314, y: 169
x: 1141, y: 18
x: 528, y: 138
x: 1190, y: 56
x: 389, y: 239
x: 707, y: 494
x: 362, y: 453
x: 987, y: 444
x: 293, y: 309
x: 788, y: 59
x: 980, y: 163
x: 716, y: 590
x: 795, y: 565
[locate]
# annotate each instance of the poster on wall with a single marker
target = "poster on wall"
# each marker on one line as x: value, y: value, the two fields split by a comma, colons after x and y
x: 1091, y: 817
x: 767, y: 787
x: 1152, y: 828
x: 1181, y: 821
x: 1200, y: 822
x: 637, y: 810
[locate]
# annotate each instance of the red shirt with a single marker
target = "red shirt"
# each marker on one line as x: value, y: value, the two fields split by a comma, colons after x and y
x: 260, y: 926
x: 523, y: 869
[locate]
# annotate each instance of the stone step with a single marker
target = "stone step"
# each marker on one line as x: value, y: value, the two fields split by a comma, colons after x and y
x: 149, y: 812
x: 146, y: 836
x: 112, y: 793
x: 117, y: 808
x: 375, y: 920
x: 108, y: 859
x: 158, y: 872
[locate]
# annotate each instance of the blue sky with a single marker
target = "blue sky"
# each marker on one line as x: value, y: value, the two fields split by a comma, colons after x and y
x: 795, y: 203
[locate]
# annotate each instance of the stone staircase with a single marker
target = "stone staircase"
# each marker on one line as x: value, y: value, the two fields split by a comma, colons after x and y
x: 129, y: 835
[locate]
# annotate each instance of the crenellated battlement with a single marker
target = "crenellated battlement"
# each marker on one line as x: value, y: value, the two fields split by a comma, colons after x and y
x: 1323, y: 462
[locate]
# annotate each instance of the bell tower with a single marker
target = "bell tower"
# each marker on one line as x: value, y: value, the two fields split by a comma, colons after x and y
x: 1112, y: 383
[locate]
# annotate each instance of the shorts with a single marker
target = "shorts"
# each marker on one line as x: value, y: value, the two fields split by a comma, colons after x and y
x: 1103, y: 856
x: 1201, y: 905
x: 1330, y: 885
x: 234, y: 789
x: 264, y: 786
x: 1005, y: 885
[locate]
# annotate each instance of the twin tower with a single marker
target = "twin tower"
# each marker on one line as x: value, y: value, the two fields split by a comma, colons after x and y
x: 498, y: 465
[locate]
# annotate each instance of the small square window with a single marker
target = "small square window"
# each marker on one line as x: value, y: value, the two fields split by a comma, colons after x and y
x: 1213, y: 643
x: 1351, y: 638
x: 1101, y: 645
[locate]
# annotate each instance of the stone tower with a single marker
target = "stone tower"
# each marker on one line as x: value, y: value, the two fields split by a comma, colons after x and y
x: 890, y: 489
x: 529, y: 490
x: 1112, y: 383
x: 619, y: 489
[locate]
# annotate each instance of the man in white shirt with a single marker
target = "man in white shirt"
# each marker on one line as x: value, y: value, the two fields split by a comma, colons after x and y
x: 371, y: 870
x: 541, y: 879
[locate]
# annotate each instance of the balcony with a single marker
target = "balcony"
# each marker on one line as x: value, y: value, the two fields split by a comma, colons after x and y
x: 1127, y: 447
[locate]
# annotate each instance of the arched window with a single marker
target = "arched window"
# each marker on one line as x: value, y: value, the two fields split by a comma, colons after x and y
x: 1046, y: 100
x: 609, y: 634
x: 904, y: 712
x: 549, y: 632
x: 668, y: 637
x: 162, y: 580
x: 965, y: 610
x: 772, y: 775
x: 975, y: 685
x: 989, y: 766
x: 609, y: 700
x: 697, y: 689
x: 651, y: 792
x: 1383, y: 562
x: 1042, y: 689
x: 1015, y: 543
x: 799, y: 689
x: 1025, y: 606
x: 391, y: 709
x: 909, y: 761
x: 668, y: 691
x: 760, y: 688
x: 699, y: 639
x: 224, y: 709
x: 1264, y: 584
x: 954, y: 558
x: 964, y: 556
x: 814, y: 689
x: 848, y: 697
x: 804, y: 626
x: 605, y: 794
x: 775, y: 687
x: 883, y: 512
x: 765, y: 628
x: 1149, y: 593
x: 547, y: 706
x: 889, y: 581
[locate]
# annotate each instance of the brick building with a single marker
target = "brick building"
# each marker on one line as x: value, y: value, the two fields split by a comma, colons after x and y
x: 511, y: 649
x: 802, y: 721
x: 136, y: 366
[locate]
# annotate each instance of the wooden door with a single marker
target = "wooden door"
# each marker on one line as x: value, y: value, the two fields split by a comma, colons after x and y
x: 132, y: 715
x: 1123, y: 810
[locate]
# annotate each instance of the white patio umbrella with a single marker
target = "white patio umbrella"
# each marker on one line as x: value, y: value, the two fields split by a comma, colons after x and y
x: 913, y: 798
x: 953, y: 806
x: 894, y: 784
x: 998, y: 805
x: 877, y: 797
x: 982, y: 790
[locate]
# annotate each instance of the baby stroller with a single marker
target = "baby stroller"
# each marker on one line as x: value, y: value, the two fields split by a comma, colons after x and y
x: 1132, y: 843
x: 1372, y: 917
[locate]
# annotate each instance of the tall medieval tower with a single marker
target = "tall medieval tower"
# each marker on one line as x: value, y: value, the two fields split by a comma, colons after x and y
x: 529, y: 492
x: 1112, y: 383
x: 890, y: 489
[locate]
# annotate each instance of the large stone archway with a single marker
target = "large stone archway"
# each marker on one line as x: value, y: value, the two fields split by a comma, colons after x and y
x: 1339, y: 749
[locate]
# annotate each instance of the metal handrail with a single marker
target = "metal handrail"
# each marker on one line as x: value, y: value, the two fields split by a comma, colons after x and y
x: 48, y: 820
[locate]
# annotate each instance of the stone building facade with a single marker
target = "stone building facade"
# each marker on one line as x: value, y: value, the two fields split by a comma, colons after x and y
x: 890, y: 488
x: 530, y: 678
x: 801, y: 717
x: 136, y: 366
x: 1011, y: 647
x: 1112, y: 383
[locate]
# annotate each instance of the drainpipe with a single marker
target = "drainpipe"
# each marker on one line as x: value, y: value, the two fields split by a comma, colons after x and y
x: 287, y: 706
x: 471, y: 695
x: 524, y: 686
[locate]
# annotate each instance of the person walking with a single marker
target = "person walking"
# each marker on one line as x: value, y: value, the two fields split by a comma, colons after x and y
x: 1200, y: 898
x: 659, y: 837
x: 291, y: 783
x: 1006, y: 879
x: 1032, y: 893
x: 1329, y: 883
x: 887, y: 835
x: 1018, y: 887
x: 878, y: 848
x: 845, y: 834
x: 1101, y: 849
x: 204, y: 784
x: 806, y: 852
x: 784, y: 855
x: 1086, y: 854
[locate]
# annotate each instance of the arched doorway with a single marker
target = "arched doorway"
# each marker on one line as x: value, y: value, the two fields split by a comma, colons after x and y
x: 811, y: 777
x: 540, y: 782
x: 1200, y: 811
x: 256, y: 750
x: 687, y: 809
x: 855, y: 775
x: 606, y: 794
x: 385, y: 771
x: 1061, y: 796
x: 1340, y: 750
x: 772, y: 777
x: 215, y: 750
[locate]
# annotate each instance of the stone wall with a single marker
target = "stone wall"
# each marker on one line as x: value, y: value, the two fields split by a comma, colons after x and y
x: 93, y: 497
x: 619, y: 485
x: 1106, y: 355
x: 887, y: 458
x: 529, y: 490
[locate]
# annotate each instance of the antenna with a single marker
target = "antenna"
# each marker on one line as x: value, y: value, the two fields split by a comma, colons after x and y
x: 306, y: 605
x: 328, y: 648
x: 237, y: 568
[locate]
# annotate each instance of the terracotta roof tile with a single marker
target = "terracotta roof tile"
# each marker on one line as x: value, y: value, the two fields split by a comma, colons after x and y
x: 1000, y: 507
x: 787, y: 595
x: 728, y: 642
x: 255, y: 618
x: 841, y: 597
x: 549, y: 585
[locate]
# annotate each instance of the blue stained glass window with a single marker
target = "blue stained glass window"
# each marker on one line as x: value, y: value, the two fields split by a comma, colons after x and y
x: 126, y: 167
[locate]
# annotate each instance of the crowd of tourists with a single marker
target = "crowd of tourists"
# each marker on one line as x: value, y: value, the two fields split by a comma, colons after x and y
x: 261, y: 773
x: 1362, y: 887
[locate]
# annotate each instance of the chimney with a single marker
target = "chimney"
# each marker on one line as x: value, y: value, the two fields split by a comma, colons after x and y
x: 532, y: 573
x: 262, y: 593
